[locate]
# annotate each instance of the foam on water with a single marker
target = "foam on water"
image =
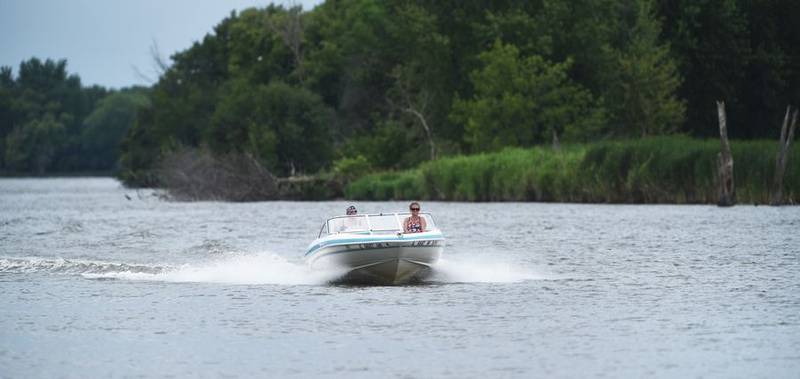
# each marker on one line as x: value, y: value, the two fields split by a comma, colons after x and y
x: 265, y: 268
x: 71, y: 266
x: 261, y: 268
x: 476, y: 270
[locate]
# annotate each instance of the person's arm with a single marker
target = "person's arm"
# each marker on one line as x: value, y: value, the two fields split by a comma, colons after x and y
x: 405, y: 225
x: 423, y: 224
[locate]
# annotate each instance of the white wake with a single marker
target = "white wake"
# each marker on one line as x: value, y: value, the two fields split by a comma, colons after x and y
x: 265, y: 268
x: 478, y: 270
x: 254, y: 269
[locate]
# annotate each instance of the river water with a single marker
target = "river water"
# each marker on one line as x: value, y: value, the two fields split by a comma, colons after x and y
x: 98, y: 280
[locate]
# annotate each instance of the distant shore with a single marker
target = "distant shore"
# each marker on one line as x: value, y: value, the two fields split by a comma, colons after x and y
x: 77, y: 174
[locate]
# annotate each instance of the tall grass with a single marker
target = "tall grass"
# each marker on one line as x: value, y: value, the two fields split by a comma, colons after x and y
x: 653, y: 170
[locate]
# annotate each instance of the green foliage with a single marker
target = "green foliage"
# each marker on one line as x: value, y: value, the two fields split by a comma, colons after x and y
x: 346, y: 170
x: 139, y: 153
x: 418, y: 94
x: 649, y: 170
x: 524, y: 101
x: 107, y: 125
x: 387, y: 80
x: 31, y: 147
x: 349, y: 54
x: 386, y: 186
x: 285, y: 127
x: 391, y: 145
x: 754, y: 168
x: 652, y: 170
x: 42, y: 114
x: 394, y: 77
x: 520, y: 28
x: 647, y: 83
x: 737, y: 51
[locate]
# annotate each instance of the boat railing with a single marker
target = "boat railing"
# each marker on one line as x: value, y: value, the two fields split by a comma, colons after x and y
x: 376, y: 223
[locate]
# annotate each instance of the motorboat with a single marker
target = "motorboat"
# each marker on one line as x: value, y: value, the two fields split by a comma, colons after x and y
x: 373, y: 249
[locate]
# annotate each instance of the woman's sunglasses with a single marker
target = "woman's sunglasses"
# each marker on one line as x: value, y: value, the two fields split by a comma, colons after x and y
x: 414, y: 209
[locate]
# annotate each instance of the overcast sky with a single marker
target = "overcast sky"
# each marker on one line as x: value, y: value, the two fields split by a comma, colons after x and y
x: 103, y: 40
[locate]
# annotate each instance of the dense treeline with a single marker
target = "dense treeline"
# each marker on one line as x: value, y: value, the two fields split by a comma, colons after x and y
x: 354, y: 86
x: 396, y: 83
x: 50, y: 123
x: 649, y: 170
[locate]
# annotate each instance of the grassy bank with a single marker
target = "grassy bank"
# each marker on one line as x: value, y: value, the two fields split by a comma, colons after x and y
x: 654, y: 170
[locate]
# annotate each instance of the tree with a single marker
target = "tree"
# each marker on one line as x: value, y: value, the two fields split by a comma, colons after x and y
x: 773, y: 74
x: 106, y: 126
x: 140, y: 152
x: 648, y: 80
x: 524, y: 101
x: 583, y: 31
x: 418, y: 92
x: 32, y: 146
x: 288, y: 26
x: 7, y: 113
x: 349, y: 53
x: 44, y: 101
x: 390, y: 145
x: 285, y: 127
x: 709, y: 39
x: 413, y: 102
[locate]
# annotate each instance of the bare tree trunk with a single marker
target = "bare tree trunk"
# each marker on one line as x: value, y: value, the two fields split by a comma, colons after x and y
x: 556, y: 143
x: 160, y: 65
x: 787, y: 135
x: 290, y: 29
x: 414, y: 104
x: 727, y: 192
x: 425, y: 126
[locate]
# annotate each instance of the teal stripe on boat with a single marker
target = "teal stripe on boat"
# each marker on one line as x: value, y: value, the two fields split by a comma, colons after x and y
x: 318, y: 246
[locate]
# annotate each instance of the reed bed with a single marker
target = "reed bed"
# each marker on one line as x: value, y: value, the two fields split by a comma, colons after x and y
x: 672, y: 169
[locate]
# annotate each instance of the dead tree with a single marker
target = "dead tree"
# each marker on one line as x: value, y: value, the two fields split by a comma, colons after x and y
x: 289, y: 27
x: 413, y: 104
x: 192, y: 175
x: 556, y: 142
x: 425, y: 126
x: 727, y: 193
x: 159, y: 65
x: 787, y: 134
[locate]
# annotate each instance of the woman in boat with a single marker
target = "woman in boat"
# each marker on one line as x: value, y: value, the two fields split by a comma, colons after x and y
x: 414, y: 223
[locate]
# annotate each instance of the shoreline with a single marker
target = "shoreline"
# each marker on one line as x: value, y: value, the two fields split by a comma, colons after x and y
x: 656, y: 170
x: 166, y: 197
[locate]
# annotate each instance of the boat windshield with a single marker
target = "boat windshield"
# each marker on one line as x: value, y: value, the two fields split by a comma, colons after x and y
x: 371, y: 223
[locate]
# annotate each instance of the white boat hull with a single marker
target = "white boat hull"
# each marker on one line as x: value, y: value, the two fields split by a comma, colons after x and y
x: 373, y: 259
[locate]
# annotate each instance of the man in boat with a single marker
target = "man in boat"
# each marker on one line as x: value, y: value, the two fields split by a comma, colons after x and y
x: 353, y: 222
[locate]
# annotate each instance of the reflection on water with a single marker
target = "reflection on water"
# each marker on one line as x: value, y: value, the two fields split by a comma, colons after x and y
x: 95, y: 284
